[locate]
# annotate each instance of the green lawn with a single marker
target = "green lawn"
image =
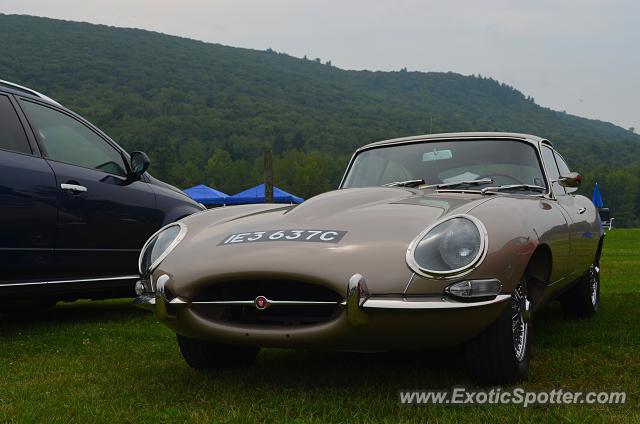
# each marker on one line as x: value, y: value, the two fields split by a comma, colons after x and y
x: 109, y: 362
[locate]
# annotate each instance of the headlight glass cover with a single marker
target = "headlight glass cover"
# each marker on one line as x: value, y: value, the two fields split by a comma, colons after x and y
x: 160, y: 245
x: 450, y: 247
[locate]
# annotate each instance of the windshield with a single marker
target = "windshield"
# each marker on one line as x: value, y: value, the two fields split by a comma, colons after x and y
x: 506, y: 162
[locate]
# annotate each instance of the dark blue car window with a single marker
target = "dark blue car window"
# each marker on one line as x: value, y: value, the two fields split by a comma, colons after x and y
x: 12, y: 135
x: 67, y: 140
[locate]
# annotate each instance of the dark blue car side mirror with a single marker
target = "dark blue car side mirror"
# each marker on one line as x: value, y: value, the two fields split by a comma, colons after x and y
x: 139, y: 164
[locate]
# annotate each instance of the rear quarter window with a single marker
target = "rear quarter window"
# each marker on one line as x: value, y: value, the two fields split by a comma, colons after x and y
x: 12, y: 135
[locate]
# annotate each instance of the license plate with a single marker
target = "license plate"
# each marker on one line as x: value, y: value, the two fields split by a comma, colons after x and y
x: 313, y: 236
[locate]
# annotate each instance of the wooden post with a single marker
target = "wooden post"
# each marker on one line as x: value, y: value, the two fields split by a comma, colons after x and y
x: 268, y: 177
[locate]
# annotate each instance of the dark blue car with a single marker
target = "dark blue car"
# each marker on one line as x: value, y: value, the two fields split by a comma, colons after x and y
x: 75, y: 208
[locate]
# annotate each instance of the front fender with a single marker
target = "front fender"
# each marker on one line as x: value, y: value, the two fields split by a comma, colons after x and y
x: 512, y: 240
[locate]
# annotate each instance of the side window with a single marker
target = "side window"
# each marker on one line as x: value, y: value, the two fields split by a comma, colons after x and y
x: 564, y: 170
x: 12, y: 135
x: 552, y: 170
x: 67, y: 140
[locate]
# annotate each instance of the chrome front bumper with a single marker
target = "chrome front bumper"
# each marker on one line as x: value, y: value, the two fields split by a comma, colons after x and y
x: 358, y: 305
x: 366, y: 322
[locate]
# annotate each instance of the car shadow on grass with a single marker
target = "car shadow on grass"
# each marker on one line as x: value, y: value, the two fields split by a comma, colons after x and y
x: 84, y: 311
x: 298, y: 369
x: 292, y: 370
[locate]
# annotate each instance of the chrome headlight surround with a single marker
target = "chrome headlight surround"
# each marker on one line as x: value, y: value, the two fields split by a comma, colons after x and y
x: 457, y: 272
x: 151, y: 243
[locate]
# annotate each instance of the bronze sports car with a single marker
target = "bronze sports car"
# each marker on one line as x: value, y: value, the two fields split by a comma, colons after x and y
x: 429, y: 241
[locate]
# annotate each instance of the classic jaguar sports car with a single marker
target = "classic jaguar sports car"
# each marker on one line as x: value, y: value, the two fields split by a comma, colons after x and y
x: 429, y: 241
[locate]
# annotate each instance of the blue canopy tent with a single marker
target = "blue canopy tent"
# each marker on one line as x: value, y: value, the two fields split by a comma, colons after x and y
x: 605, y: 217
x: 597, y: 197
x: 207, y: 195
x: 256, y: 195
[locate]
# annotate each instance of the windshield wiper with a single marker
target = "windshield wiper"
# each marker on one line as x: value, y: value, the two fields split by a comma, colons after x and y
x: 460, y: 183
x: 407, y: 183
x: 521, y: 187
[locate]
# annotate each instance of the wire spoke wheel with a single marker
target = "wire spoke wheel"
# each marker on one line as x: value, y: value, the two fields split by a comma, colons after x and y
x: 519, y: 321
x: 594, y: 284
x: 582, y: 300
x: 502, y: 352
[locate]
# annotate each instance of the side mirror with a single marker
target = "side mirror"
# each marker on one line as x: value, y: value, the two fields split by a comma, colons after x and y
x: 139, y: 164
x: 572, y: 179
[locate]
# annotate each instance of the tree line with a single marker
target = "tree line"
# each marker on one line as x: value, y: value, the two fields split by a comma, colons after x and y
x: 205, y: 113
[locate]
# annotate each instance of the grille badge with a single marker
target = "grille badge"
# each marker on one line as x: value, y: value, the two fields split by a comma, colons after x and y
x: 261, y: 303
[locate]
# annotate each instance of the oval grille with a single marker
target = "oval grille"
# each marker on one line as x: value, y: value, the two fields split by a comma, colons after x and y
x: 277, y: 314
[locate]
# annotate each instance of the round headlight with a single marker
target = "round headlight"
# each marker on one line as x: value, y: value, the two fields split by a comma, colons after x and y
x: 160, y: 245
x: 450, y: 247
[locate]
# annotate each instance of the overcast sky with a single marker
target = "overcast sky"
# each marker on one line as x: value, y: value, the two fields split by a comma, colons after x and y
x: 581, y: 56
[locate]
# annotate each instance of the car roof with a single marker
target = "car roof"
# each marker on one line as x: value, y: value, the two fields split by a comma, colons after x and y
x: 21, y: 90
x: 459, y: 136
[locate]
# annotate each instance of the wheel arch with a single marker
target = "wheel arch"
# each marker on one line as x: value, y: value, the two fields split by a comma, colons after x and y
x: 538, y: 273
x: 599, y: 249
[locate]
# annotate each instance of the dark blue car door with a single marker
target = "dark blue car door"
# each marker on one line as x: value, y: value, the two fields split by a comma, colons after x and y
x: 104, y: 217
x: 28, y: 210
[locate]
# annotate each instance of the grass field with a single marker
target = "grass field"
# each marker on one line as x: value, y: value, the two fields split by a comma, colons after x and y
x: 109, y: 362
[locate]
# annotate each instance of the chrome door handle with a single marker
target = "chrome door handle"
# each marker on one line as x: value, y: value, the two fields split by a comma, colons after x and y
x: 581, y: 211
x: 74, y: 188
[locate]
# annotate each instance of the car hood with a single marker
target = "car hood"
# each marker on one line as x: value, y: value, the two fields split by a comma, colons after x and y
x: 379, y: 224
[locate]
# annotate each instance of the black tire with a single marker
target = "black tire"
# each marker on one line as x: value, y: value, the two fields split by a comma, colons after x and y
x: 583, y: 299
x: 205, y: 356
x: 499, y: 356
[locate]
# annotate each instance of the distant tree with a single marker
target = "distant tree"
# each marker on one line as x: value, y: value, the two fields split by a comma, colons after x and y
x: 208, y: 119
x: 632, y: 129
x: 317, y: 59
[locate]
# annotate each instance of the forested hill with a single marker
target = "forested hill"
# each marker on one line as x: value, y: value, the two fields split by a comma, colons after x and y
x: 205, y: 112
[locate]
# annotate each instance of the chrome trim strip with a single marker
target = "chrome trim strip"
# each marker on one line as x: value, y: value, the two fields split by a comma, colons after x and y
x: 85, y: 280
x: 404, y: 303
x: 271, y: 302
x: 52, y: 250
x: 33, y: 92
x: 224, y: 302
x: 550, y: 193
x: 413, y: 275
